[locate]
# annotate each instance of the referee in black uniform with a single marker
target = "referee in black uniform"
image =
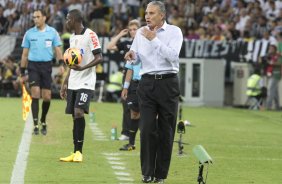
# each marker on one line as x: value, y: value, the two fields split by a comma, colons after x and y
x: 157, y: 47
x: 117, y: 45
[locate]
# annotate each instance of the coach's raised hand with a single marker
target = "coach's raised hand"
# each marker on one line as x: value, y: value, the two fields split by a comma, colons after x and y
x: 129, y: 56
x: 149, y: 34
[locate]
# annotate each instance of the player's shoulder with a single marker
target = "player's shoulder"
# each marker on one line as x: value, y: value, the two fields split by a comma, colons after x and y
x: 89, y: 32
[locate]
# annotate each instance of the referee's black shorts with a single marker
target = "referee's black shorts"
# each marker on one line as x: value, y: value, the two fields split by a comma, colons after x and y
x: 40, y: 74
x: 80, y: 98
x: 132, y: 98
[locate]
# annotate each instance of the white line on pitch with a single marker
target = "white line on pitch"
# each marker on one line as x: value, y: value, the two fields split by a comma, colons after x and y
x: 98, y: 134
x: 23, y: 151
x: 118, y: 167
x: 113, y: 158
x: 116, y: 163
x: 122, y: 173
x: 112, y: 154
x: 125, y: 179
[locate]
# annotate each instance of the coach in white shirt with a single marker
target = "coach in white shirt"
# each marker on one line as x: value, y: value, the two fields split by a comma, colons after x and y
x: 157, y: 47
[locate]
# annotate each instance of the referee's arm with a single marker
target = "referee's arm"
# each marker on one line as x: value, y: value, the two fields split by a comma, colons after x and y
x: 59, y: 58
x: 59, y: 55
x: 24, y: 57
x: 24, y: 61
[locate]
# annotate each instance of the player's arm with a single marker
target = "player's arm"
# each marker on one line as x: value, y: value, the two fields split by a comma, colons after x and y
x: 98, y: 58
x: 64, y: 87
x: 94, y: 44
x: 113, y: 43
x: 126, y: 83
x: 24, y: 62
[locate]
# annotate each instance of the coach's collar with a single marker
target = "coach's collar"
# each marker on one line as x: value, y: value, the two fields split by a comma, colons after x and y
x: 164, y: 26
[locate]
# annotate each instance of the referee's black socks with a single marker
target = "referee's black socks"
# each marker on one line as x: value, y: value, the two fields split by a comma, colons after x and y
x: 134, y: 124
x: 45, y: 109
x: 34, y: 110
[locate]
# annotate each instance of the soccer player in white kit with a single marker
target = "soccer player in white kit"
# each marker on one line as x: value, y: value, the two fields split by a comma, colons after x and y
x: 79, y: 84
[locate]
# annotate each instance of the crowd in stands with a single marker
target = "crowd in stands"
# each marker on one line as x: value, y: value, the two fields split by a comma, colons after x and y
x: 9, y: 77
x: 199, y: 19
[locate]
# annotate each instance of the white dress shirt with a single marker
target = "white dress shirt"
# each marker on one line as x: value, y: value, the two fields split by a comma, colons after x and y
x: 160, y: 55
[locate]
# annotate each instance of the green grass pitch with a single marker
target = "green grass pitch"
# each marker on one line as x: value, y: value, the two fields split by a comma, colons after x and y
x: 245, y: 146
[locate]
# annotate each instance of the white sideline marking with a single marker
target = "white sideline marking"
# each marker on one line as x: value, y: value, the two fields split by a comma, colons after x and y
x: 116, y: 163
x: 118, y: 167
x: 122, y: 174
x: 111, y: 154
x: 100, y: 138
x: 125, y: 179
x: 99, y: 135
x: 113, y: 158
x: 23, y: 151
x: 131, y: 154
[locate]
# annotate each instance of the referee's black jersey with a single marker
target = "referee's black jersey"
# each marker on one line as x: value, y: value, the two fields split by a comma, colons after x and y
x: 124, y: 45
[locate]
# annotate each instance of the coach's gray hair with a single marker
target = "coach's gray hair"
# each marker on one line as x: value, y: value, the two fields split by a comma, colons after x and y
x: 160, y: 4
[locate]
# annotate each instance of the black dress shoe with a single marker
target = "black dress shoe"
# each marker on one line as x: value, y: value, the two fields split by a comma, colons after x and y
x: 158, y: 180
x: 147, y: 179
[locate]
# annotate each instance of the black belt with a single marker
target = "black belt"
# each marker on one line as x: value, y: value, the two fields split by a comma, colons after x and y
x: 135, y: 81
x: 159, y: 76
x: 39, y: 61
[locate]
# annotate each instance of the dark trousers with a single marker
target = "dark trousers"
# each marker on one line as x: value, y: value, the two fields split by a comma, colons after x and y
x: 158, y: 100
x: 125, y: 118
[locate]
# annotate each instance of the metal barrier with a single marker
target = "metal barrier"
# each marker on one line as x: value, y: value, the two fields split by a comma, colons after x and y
x: 7, y: 45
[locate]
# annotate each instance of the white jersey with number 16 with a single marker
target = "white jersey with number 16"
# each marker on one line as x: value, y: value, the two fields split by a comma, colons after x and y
x: 87, y: 42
